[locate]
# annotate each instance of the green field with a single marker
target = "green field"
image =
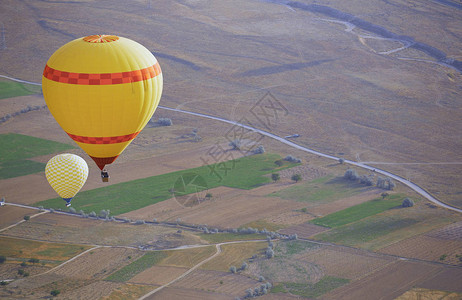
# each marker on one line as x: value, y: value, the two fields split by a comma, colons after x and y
x: 243, y: 173
x: 325, y: 189
x: 360, y: 211
x: 365, y: 230
x: 326, y: 284
x: 16, y: 149
x: 10, y: 89
x: 144, y: 262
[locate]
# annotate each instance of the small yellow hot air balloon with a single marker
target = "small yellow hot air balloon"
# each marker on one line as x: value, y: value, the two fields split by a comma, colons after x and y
x: 102, y: 90
x: 66, y: 174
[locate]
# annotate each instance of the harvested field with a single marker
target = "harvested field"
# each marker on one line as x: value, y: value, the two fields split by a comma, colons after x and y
x: 91, y: 290
x: 98, y: 263
x: 158, y: 275
x: 345, y: 262
x: 234, y: 255
x: 449, y: 232
x: 387, y: 283
x: 308, y: 172
x: 101, y: 233
x: 128, y: 292
x: 420, y: 293
x: 427, y: 248
x: 187, y: 257
x: 173, y: 293
x: 25, y: 249
x: 219, y: 282
x: 12, y: 214
x: 228, y: 208
x: 304, y: 230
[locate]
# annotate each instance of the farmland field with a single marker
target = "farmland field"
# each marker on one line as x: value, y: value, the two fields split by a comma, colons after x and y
x: 16, y: 151
x: 26, y: 249
x: 11, y: 214
x: 374, y: 82
x: 358, y: 212
x: 234, y: 255
x: 139, y: 265
x: 243, y: 173
x: 10, y: 89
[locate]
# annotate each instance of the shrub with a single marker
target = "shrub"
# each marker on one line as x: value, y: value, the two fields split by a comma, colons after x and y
x: 165, y: 122
x: 72, y: 210
x: 292, y: 159
x: 296, y: 177
x: 232, y: 269
x: 275, y: 177
x: 341, y: 160
x: 407, y: 202
x: 259, y: 150
x: 139, y: 222
x: 27, y: 218
x: 92, y: 214
x: 269, y: 253
x: 34, y: 260
x: 236, y: 144
x: 244, y: 266
x: 351, y: 174
x: 279, y: 162
x: 55, y: 293
x: 261, y: 278
x: 2, y: 259
x: 3, y: 282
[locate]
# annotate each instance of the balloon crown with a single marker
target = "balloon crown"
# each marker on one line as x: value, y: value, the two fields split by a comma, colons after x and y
x: 100, y: 38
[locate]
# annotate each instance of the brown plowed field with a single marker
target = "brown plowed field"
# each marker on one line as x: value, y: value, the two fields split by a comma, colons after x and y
x: 12, y: 214
x: 187, y: 257
x: 158, y: 275
x: 344, y: 263
x: 304, y: 230
x: 427, y: 248
x: 173, y: 293
x: 233, y: 284
x: 101, y: 233
x: 448, y: 279
x: 98, y: 263
x: 93, y: 290
x: 386, y: 283
x: 449, y: 232
x: 228, y: 207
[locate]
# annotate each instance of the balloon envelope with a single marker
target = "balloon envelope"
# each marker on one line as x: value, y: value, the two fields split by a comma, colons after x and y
x: 102, y: 90
x: 66, y: 173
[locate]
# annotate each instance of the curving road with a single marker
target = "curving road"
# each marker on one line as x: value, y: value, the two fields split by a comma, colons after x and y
x: 404, y: 181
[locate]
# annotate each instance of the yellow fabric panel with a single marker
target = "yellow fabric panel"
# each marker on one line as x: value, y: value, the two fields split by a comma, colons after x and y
x: 103, y: 110
x: 122, y: 55
x: 66, y: 174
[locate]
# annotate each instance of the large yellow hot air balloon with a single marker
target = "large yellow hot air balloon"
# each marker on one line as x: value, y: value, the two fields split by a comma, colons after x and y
x: 102, y: 90
x: 66, y: 174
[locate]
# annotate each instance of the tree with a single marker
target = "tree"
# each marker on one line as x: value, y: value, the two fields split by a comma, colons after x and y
x: 292, y: 159
x: 384, y: 195
x: 244, y: 266
x: 26, y: 218
x: 259, y: 150
x: 236, y: 144
x: 279, y: 162
x: 208, y: 196
x: 351, y: 174
x: 296, y: 177
x: 269, y: 252
x: 275, y: 177
x: 232, y: 269
x: 72, y: 210
x: 34, y: 260
x: 55, y: 293
x: 164, y: 122
x: 407, y: 202
x: 2, y: 259
x: 341, y: 160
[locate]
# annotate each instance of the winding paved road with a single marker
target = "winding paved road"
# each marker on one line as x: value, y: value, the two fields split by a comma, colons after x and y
x: 404, y: 181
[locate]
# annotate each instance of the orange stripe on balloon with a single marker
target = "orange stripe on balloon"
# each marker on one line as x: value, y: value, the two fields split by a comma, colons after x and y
x: 102, y: 78
x: 103, y: 140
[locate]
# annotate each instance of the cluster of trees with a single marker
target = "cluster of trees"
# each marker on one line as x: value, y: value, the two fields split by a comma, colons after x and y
x: 22, y: 111
x: 292, y: 159
x: 161, y: 122
x: 276, y: 177
x: 257, y: 291
x: 383, y: 183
